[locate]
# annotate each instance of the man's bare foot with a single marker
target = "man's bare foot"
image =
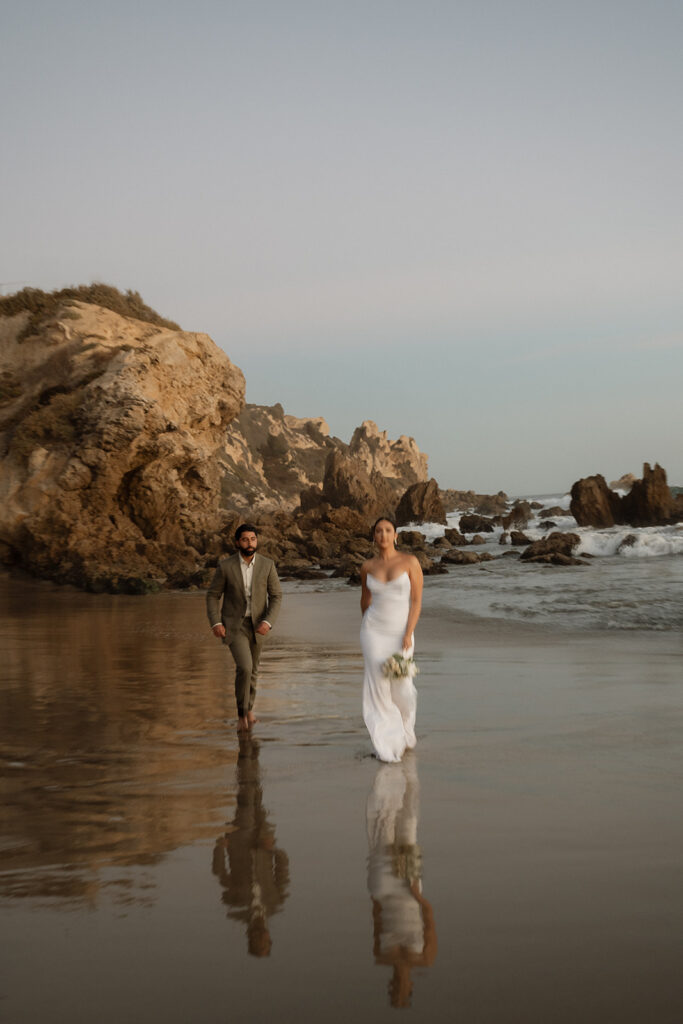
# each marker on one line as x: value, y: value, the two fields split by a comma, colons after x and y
x: 251, y: 718
x: 243, y: 724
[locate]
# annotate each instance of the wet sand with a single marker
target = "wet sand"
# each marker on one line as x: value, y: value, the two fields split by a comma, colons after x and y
x: 525, y: 864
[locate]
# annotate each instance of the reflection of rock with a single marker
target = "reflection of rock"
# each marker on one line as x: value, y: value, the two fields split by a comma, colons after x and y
x: 252, y: 871
x: 421, y: 503
x: 403, y: 920
x: 649, y: 502
x: 113, y: 766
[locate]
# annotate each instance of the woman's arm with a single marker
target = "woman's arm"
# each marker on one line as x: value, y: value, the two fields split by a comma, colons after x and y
x: 365, y: 595
x: 416, y: 583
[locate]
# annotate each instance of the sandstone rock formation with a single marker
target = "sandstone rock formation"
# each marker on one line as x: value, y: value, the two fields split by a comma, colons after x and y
x: 649, y: 502
x: 109, y: 433
x: 275, y: 461
x: 421, y: 503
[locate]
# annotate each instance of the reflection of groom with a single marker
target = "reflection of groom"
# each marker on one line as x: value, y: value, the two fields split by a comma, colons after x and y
x: 253, y: 872
x: 242, y: 603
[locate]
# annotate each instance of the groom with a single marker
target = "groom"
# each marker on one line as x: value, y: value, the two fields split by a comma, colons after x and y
x: 242, y: 603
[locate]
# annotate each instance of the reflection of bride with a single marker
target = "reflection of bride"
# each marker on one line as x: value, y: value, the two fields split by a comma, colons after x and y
x: 404, y: 932
x: 256, y: 875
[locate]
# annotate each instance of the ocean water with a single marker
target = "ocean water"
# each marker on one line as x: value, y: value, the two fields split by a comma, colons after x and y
x: 633, y: 579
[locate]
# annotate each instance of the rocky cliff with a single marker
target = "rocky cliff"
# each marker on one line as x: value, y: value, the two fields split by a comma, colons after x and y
x: 110, y: 429
x: 271, y: 457
x: 127, y: 452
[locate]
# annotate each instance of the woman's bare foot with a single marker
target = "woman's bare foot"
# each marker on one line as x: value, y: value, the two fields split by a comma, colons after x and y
x: 251, y: 718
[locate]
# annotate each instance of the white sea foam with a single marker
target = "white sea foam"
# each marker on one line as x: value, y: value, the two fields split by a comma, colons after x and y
x: 632, y: 542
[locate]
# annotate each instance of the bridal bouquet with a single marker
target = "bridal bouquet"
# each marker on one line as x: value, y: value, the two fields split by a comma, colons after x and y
x: 399, y: 667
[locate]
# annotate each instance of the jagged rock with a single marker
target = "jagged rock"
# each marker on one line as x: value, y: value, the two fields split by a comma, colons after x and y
x: 476, y: 524
x: 554, y: 544
x: 547, y: 524
x: 400, y: 463
x: 347, y: 484
x: 649, y: 502
x: 535, y: 505
x: 275, y: 460
x: 483, y: 504
x: 110, y: 448
x: 454, y: 536
x: 556, y: 510
x: 477, y: 539
x: 421, y: 503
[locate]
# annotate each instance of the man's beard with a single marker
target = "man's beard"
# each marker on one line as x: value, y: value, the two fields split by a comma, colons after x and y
x: 248, y: 551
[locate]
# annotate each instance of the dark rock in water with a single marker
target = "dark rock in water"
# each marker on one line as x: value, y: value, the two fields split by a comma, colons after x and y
x: 518, y: 539
x: 421, y: 503
x: 547, y: 524
x: 457, y: 557
x: 554, y: 558
x: 535, y: 505
x: 504, y: 538
x: 477, y: 539
x: 454, y: 536
x: 554, y: 544
x: 593, y: 504
x: 519, y: 515
x: 556, y: 510
x: 486, y: 556
x: 441, y: 544
x: 649, y: 502
x: 627, y: 542
x: 511, y: 554
x: 476, y: 524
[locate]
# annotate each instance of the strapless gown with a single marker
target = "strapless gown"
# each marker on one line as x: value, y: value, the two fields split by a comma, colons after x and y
x: 389, y: 706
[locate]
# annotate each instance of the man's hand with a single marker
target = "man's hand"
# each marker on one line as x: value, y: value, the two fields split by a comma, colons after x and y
x: 219, y: 631
x: 263, y: 628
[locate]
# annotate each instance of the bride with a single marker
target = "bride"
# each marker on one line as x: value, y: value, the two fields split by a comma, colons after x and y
x: 391, y: 600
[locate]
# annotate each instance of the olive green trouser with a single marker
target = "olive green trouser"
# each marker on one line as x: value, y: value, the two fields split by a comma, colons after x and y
x: 245, y: 647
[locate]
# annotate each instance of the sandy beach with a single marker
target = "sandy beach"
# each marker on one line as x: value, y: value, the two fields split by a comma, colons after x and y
x: 151, y: 869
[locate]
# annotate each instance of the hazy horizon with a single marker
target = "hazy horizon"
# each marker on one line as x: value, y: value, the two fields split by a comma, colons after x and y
x: 460, y: 221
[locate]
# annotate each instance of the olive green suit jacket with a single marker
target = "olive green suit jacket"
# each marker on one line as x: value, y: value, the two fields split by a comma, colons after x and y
x: 226, y: 600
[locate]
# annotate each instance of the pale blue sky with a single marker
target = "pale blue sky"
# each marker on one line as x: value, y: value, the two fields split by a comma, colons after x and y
x: 463, y: 220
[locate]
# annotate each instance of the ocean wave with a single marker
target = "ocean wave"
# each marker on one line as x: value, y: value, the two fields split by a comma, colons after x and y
x: 632, y: 542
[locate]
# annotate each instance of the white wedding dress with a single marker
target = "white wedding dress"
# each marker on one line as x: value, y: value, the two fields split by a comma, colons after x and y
x: 389, y: 706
